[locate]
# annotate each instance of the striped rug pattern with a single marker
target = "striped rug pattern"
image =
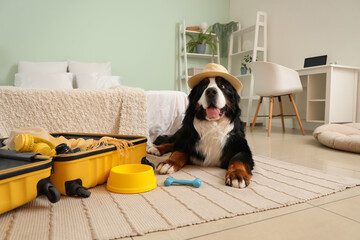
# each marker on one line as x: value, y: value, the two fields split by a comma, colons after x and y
x: 107, y: 215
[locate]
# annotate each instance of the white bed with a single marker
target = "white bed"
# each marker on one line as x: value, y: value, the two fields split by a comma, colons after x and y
x: 165, y: 109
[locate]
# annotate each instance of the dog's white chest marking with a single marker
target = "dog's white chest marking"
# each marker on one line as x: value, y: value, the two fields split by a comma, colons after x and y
x: 213, y: 137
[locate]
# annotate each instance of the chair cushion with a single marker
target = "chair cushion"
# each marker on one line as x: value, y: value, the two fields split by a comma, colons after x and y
x: 339, y: 136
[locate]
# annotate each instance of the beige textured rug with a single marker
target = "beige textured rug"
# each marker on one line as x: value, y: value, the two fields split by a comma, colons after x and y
x: 107, y: 215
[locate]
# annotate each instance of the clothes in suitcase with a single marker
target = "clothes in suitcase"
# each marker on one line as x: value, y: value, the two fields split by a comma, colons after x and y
x: 74, y: 173
x: 23, y: 177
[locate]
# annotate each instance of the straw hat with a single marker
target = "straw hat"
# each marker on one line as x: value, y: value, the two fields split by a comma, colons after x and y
x: 215, y: 70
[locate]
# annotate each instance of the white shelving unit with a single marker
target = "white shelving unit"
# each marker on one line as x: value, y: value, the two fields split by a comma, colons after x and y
x: 248, y: 41
x: 184, y: 56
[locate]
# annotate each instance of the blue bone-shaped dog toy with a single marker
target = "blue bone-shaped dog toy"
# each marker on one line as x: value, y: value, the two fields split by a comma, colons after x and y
x: 196, y: 182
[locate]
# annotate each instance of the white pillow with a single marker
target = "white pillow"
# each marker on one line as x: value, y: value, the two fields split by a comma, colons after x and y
x: 83, y: 67
x: 42, y: 67
x: 44, y: 80
x: 96, y: 81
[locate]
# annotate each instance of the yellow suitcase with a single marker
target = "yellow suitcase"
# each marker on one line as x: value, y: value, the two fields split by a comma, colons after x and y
x: 23, y: 177
x: 74, y: 173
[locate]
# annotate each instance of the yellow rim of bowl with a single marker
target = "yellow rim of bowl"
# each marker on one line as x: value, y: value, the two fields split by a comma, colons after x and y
x: 132, y: 190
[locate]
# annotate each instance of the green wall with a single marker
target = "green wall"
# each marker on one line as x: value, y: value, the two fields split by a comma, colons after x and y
x: 138, y: 37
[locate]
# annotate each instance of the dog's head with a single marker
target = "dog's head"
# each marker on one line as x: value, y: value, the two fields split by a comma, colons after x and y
x: 214, y: 98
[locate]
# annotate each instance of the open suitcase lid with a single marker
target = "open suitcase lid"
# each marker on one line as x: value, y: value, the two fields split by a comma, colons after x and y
x: 135, y: 140
x: 13, y: 163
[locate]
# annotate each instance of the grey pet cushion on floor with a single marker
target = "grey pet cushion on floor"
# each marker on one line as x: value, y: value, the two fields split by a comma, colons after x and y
x: 339, y: 136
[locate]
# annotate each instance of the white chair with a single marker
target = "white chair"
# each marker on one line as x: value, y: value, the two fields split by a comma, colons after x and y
x: 273, y: 80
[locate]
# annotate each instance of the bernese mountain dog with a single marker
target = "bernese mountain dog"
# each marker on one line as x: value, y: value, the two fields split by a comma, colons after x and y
x: 211, y: 134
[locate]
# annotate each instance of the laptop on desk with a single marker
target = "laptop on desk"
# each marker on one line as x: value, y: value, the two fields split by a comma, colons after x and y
x: 315, y: 61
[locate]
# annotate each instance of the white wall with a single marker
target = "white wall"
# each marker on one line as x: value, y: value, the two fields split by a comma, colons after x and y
x: 304, y: 28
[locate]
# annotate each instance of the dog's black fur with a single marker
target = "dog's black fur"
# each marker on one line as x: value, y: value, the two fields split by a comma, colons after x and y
x: 236, y: 148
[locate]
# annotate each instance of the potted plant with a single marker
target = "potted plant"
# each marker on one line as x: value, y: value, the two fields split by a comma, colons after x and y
x: 247, y: 59
x: 243, y: 68
x: 198, y: 43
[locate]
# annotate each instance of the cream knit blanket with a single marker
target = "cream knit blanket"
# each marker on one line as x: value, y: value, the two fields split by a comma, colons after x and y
x: 120, y: 110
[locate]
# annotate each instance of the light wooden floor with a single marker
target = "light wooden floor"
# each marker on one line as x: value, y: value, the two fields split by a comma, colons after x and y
x: 333, y: 217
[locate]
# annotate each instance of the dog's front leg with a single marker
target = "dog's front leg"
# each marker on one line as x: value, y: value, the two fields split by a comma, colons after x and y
x: 161, y: 149
x: 238, y: 174
x: 175, y: 162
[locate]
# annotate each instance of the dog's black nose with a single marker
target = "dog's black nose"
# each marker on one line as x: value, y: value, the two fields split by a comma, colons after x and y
x: 211, y: 92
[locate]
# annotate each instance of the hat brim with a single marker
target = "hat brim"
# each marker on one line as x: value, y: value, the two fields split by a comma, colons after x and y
x: 196, y: 79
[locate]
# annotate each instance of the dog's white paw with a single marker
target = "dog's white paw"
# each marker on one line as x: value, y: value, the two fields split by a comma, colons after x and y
x: 165, y: 168
x: 236, y: 183
x: 237, y: 178
x: 154, y: 151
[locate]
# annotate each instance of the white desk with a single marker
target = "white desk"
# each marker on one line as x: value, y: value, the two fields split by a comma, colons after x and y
x: 330, y: 94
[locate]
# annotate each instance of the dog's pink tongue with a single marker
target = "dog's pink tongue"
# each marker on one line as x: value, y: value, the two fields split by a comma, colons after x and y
x: 212, y: 113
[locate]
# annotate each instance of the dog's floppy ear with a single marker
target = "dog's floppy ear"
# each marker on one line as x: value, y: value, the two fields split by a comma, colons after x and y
x: 194, y: 97
x: 197, y: 91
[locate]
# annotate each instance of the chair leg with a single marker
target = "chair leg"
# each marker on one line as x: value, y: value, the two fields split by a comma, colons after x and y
x: 297, y: 113
x: 281, y: 113
x: 270, y: 114
x: 256, y: 113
